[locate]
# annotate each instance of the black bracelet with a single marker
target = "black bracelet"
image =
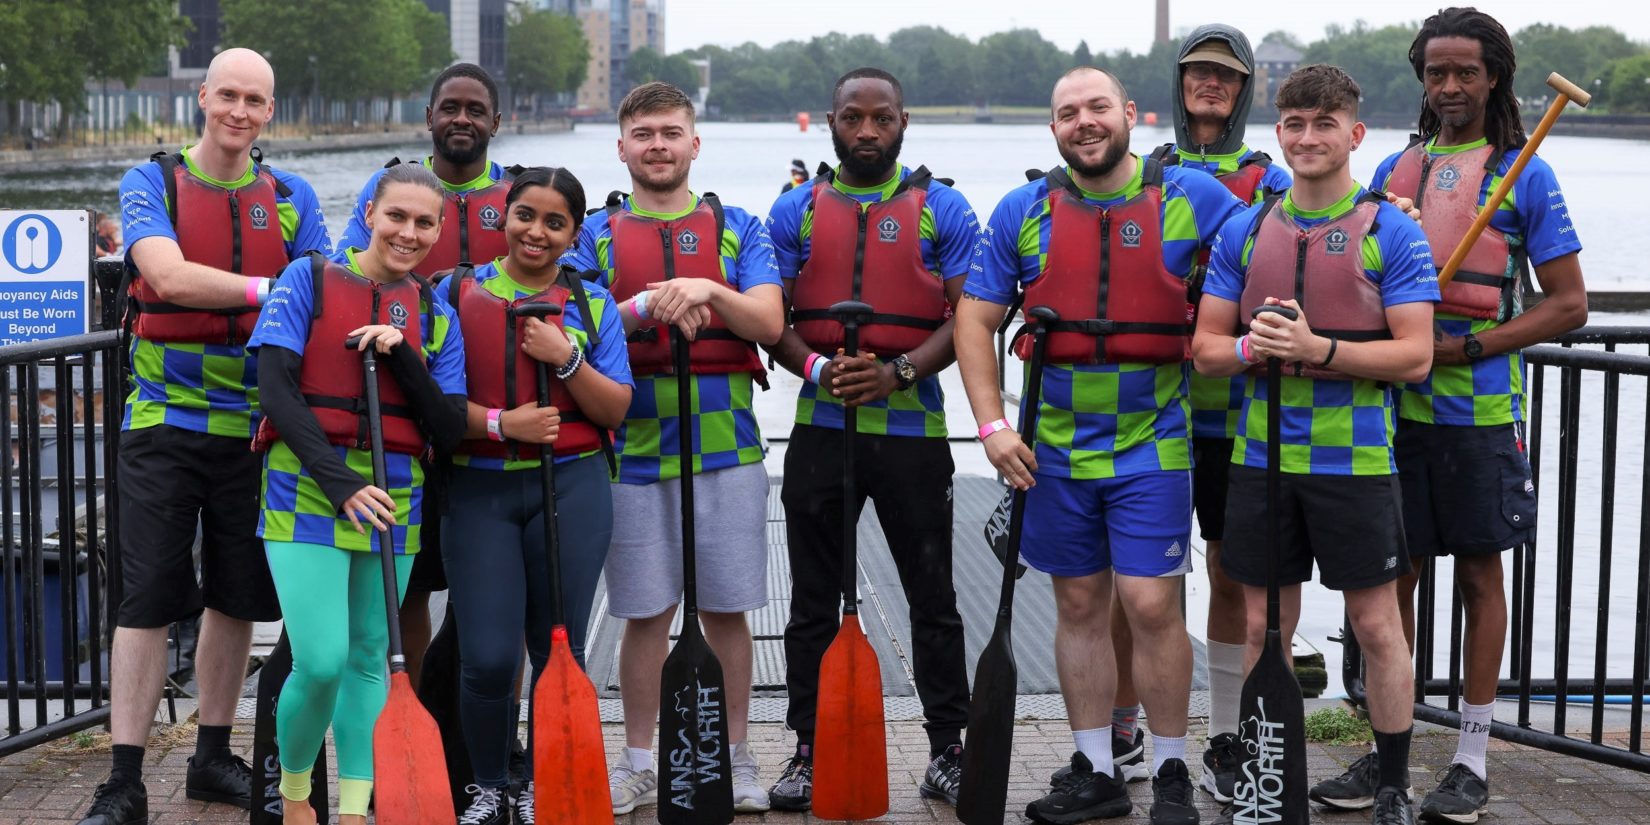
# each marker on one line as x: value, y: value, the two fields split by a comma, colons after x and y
x: 566, y: 371
x: 1333, y: 343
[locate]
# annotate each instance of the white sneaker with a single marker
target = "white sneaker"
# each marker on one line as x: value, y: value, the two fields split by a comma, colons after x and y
x: 748, y: 795
x: 631, y: 789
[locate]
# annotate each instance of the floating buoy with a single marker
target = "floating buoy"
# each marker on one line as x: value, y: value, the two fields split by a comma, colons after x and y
x: 802, y: 119
x: 1151, y: 118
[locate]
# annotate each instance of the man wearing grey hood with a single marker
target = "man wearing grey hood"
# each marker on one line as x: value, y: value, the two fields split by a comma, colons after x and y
x: 1215, y: 86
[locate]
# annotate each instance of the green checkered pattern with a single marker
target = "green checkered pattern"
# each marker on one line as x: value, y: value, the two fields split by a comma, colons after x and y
x: 723, y: 422
x: 1110, y: 420
x: 1217, y: 405
x: 314, y: 521
x: 1339, y: 430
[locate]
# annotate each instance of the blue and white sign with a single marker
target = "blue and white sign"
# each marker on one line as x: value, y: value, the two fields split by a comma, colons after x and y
x: 45, y: 266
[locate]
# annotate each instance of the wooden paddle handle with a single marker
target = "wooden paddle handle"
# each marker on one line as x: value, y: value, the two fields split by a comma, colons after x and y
x: 1567, y: 92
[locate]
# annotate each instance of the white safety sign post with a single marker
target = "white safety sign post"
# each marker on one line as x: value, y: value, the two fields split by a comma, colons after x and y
x: 45, y: 274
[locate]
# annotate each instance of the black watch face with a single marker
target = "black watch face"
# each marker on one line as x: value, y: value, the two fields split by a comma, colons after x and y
x: 1472, y: 349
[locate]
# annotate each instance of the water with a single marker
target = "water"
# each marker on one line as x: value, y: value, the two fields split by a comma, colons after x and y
x: 746, y: 164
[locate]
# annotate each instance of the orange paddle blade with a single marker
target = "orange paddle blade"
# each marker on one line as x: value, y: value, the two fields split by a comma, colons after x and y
x: 850, y: 742
x: 409, y: 770
x: 569, y: 762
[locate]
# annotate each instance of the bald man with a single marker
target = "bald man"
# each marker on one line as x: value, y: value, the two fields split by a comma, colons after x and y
x: 207, y: 228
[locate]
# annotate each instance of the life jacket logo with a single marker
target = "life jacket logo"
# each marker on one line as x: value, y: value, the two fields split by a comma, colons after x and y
x: 1335, y: 242
x: 259, y: 216
x: 398, y: 315
x: 489, y: 217
x: 888, y: 230
x: 688, y: 242
x: 1447, y: 178
x: 1130, y: 232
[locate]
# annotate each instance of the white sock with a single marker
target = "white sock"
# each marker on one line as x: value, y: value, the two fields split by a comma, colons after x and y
x: 1096, y: 745
x: 1225, y: 687
x: 640, y: 759
x: 1475, y: 737
x: 1165, y: 748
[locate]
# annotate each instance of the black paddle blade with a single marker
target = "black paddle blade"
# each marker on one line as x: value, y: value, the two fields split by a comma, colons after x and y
x: 983, y: 797
x: 996, y: 532
x: 695, y: 765
x: 438, y: 690
x: 267, y: 805
x: 1271, y: 782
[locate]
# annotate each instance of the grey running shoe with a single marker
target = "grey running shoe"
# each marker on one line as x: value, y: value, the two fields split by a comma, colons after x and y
x: 748, y: 794
x: 632, y: 789
x: 1220, y: 766
x: 1172, y: 802
x: 1353, y: 790
x: 795, y: 789
x: 1461, y: 797
x: 1082, y: 795
x: 944, y: 776
x: 1392, y: 808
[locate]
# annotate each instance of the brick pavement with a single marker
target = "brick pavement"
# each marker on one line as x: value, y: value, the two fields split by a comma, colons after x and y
x: 50, y: 784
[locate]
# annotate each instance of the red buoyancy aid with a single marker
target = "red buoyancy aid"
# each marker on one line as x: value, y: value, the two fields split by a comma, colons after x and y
x: 331, y: 379
x: 1445, y: 188
x: 909, y: 301
x: 237, y: 230
x: 472, y: 225
x: 646, y: 250
x: 1105, y: 276
x: 502, y: 376
x: 1323, y: 269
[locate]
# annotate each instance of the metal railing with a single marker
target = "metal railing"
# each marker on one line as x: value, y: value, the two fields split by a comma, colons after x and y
x: 1588, y: 379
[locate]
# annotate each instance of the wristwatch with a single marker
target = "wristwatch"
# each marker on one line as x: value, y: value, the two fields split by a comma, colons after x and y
x: 1473, y: 348
x: 905, y: 372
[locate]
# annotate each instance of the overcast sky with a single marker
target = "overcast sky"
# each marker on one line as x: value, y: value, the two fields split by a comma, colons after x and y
x: 1106, y: 25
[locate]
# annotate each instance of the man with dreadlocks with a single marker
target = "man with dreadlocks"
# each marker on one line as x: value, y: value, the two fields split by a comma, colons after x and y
x: 1464, y: 475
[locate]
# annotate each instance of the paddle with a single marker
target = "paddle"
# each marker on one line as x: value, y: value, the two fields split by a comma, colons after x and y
x: 850, y: 742
x: 1271, y: 782
x: 267, y: 804
x: 695, y: 767
x: 1567, y: 92
x: 983, y: 797
x: 569, y: 760
x: 408, y: 767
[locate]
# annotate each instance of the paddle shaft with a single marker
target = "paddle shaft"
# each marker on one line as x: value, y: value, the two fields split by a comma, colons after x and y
x: 850, y: 439
x: 1029, y: 404
x: 684, y: 441
x: 380, y: 479
x: 1274, y: 491
x: 552, y: 532
x: 1567, y: 92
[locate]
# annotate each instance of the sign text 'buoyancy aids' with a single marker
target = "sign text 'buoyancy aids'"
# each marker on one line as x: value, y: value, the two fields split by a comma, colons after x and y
x: 236, y: 230
x: 1105, y: 276
x: 647, y: 250
x: 472, y: 225
x: 331, y: 380
x: 502, y: 375
x: 1322, y: 268
x: 870, y: 252
x: 1445, y: 188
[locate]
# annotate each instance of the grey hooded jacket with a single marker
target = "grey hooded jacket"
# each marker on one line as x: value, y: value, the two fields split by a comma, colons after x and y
x: 1231, y: 139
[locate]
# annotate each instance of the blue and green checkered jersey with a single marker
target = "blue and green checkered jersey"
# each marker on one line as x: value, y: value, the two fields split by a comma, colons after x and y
x: 948, y: 229
x: 1536, y: 222
x: 609, y: 358
x: 294, y: 508
x: 1329, y: 427
x: 356, y: 233
x: 206, y: 388
x: 1104, y: 420
x: 724, y: 423
x: 1275, y: 180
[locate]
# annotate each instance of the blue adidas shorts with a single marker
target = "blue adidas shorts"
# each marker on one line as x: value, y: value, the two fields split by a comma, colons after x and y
x: 1138, y: 525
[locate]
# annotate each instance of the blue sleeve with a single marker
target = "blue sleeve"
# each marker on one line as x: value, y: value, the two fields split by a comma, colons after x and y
x: 1383, y: 171
x: 610, y: 357
x: 285, y: 318
x: 998, y: 265
x: 143, y: 205
x: 582, y: 254
x: 1276, y: 180
x: 1407, y: 273
x: 1212, y: 203
x: 1543, y: 214
x: 312, y: 233
x: 956, y: 230
x: 1227, y: 272
x: 447, y: 362
x: 755, y: 265
x: 785, y: 228
x: 355, y: 233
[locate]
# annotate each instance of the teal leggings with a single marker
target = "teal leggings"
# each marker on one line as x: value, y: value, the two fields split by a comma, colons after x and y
x: 333, y: 604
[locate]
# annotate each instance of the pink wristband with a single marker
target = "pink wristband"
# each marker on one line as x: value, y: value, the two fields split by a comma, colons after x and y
x: 1248, y: 354
x: 495, y: 430
x: 253, y: 293
x: 808, y: 366
x: 993, y: 426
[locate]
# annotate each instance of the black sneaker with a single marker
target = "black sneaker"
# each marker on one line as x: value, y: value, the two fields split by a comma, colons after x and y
x: 795, y: 789
x: 1082, y: 795
x: 522, y: 802
x: 1172, y: 795
x: 944, y: 776
x: 1461, y: 797
x: 1392, y: 808
x: 118, y: 803
x: 488, y: 806
x: 224, y: 780
x: 518, y: 773
x: 1353, y: 790
x: 1128, y: 758
x: 1220, y: 766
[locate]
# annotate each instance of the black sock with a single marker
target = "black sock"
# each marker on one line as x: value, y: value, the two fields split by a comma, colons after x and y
x: 1392, y: 754
x: 941, y: 740
x: 211, y: 743
x: 128, y: 764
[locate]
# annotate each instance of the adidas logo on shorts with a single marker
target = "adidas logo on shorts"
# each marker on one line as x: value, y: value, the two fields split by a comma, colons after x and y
x: 1174, y: 551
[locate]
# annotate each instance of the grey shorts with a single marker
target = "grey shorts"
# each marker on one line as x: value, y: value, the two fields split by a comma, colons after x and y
x: 644, y: 561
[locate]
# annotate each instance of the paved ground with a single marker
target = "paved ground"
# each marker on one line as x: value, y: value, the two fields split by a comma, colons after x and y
x: 51, y: 784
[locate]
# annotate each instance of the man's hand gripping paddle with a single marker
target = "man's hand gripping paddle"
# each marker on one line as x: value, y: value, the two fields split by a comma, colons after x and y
x: 1271, y: 782
x: 983, y: 797
x: 695, y: 765
x: 408, y: 766
x: 850, y: 742
x: 569, y: 762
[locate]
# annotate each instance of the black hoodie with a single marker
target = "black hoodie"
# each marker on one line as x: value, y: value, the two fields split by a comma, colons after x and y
x: 1231, y: 140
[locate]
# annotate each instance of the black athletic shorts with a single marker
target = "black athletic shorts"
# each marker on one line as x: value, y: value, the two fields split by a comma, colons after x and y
x: 1211, y: 460
x: 1349, y: 525
x: 173, y: 481
x: 1466, y: 490
x: 429, y: 575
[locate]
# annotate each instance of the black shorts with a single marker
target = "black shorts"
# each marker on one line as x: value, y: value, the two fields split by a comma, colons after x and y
x: 173, y: 481
x: 1211, y: 460
x: 1350, y: 525
x: 429, y: 575
x: 1466, y: 490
